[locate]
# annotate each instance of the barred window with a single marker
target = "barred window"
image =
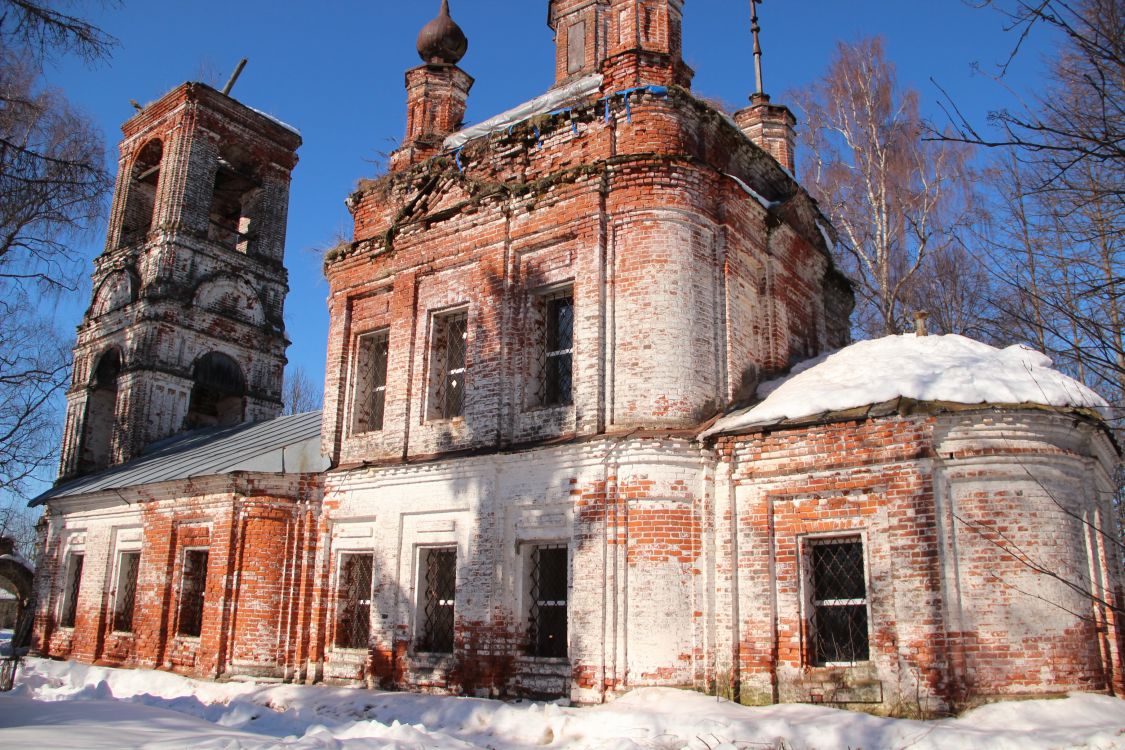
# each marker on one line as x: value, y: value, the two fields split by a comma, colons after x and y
x: 548, y: 595
x: 450, y: 336
x: 369, y: 392
x: 553, y: 368
x: 438, y: 579
x: 73, y: 588
x: 128, y: 567
x: 838, y: 632
x: 192, y: 589
x: 353, y: 625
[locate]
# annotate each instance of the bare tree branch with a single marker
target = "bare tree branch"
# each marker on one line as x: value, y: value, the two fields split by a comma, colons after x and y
x: 897, y: 200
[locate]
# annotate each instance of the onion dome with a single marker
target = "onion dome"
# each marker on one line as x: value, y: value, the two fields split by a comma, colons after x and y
x: 441, y: 40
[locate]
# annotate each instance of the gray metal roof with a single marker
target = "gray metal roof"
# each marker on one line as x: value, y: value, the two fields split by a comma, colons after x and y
x: 285, y: 444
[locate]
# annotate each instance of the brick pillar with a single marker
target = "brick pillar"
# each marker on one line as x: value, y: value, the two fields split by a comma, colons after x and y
x: 581, y: 28
x: 645, y: 45
x: 770, y: 126
x: 436, y: 97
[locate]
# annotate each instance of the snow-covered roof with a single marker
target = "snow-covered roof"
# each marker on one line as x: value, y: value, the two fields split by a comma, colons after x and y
x: 951, y: 369
x: 276, y: 121
x: 548, y: 102
x: 289, y: 444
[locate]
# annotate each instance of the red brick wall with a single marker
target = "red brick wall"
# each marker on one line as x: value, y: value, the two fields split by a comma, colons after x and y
x: 955, y: 611
x: 258, y: 548
x: 686, y: 289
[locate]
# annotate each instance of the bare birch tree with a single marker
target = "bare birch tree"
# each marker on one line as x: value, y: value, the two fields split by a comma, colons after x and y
x: 895, y: 198
x: 300, y: 394
x: 53, y: 185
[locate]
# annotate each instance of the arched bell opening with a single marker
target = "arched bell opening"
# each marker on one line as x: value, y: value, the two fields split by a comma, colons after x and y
x: 140, y: 202
x: 218, y: 396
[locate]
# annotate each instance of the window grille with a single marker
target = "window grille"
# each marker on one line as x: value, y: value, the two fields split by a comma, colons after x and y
x: 547, y: 636
x: 128, y: 568
x: 353, y: 627
x: 370, y: 389
x: 192, y: 590
x: 73, y: 587
x: 557, y: 350
x: 449, y: 345
x: 439, y: 571
x: 839, y: 589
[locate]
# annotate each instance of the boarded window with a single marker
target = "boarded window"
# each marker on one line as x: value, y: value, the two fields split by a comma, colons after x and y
x: 838, y: 631
x: 553, y: 369
x: 72, y: 590
x: 353, y: 624
x: 450, y: 339
x: 192, y: 592
x: 128, y: 568
x: 576, y: 47
x: 438, y: 583
x: 548, y: 597
x: 369, y: 396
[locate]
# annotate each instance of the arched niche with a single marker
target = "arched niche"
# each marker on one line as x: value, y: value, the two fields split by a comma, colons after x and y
x: 232, y: 296
x: 218, y: 393
x: 140, y: 196
x: 116, y: 290
x: 101, y: 412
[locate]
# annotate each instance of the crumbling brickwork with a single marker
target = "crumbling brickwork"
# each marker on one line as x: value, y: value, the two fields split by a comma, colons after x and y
x: 193, y: 265
x: 965, y: 520
x: 256, y: 531
x: 530, y: 330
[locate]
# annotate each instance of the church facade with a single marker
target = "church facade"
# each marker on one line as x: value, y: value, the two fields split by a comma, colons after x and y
x: 517, y: 485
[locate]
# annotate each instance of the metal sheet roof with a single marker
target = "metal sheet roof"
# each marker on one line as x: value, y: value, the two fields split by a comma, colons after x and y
x: 285, y: 444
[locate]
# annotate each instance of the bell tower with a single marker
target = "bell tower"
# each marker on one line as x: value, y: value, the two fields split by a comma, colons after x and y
x: 185, y: 327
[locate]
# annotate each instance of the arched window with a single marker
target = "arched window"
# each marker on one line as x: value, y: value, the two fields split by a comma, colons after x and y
x: 235, y: 202
x: 218, y: 397
x: 101, y: 413
x: 140, y: 203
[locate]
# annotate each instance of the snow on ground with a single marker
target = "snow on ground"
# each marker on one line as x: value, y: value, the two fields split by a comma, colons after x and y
x: 5, y: 642
x: 66, y: 705
x: 924, y: 368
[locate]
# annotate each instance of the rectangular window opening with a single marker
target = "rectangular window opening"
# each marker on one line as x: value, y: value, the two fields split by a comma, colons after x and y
x: 72, y: 590
x: 838, y: 632
x: 448, y: 371
x: 128, y: 568
x: 547, y: 634
x: 369, y: 392
x: 192, y: 591
x: 353, y: 623
x: 554, y: 365
x: 437, y: 571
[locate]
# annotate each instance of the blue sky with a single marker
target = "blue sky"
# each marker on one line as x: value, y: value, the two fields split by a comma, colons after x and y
x: 334, y: 69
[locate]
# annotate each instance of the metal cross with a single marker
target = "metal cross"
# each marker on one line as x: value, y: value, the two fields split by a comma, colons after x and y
x: 755, y: 29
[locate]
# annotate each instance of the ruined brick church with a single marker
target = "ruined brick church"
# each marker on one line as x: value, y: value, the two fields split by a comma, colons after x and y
x: 528, y: 478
